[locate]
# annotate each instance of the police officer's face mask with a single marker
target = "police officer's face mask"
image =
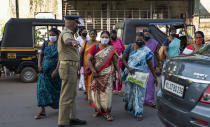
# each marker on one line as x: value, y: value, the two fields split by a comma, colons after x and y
x: 76, y: 28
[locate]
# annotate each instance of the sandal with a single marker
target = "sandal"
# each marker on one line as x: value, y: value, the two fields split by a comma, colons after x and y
x: 120, y: 94
x: 108, y: 117
x: 115, y: 92
x: 96, y: 114
x: 40, y: 116
x: 139, y: 118
x: 153, y: 105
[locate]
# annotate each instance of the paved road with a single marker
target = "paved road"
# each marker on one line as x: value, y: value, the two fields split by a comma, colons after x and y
x: 18, y: 107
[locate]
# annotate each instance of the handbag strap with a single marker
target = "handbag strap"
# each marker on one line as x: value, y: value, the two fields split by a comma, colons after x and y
x: 83, y: 52
x: 96, y: 49
x: 85, y: 44
x: 129, y: 51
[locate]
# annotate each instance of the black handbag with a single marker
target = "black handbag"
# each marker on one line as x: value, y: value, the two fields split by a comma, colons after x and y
x: 82, y: 57
x: 87, y: 69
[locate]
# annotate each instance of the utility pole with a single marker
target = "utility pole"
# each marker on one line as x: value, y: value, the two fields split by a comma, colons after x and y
x: 17, y: 8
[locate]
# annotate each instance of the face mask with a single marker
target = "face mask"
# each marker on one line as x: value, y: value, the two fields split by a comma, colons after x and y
x: 53, y: 38
x: 199, y: 41
x: 140, y: 43
x: 84, y: 34
x: 93, y: 38
x: 114, y: 38
x: 146, y: 37
x: 104, y: 41
x: 173, y: 32
x: 76, y: 28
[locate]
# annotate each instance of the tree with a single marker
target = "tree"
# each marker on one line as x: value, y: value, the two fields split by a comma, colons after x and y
x: 38, y: 37
x: 2, y: 31
x: 17, y: 8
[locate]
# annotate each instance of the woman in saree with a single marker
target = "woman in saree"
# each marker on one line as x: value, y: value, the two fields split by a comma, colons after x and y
x: 199, y: 43
x: 103, y: 61
x: 139, y: 60
x: 49, y: 82
x: 152, y: 44
x: 84, y: 54
x: 172, y: 46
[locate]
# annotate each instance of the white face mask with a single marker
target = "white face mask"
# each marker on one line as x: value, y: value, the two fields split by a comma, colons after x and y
x: 53, y: 38
x: 105, y: 41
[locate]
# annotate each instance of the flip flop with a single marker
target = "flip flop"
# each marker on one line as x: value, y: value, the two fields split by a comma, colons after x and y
x: 108, y: 117
x: 40, y: 116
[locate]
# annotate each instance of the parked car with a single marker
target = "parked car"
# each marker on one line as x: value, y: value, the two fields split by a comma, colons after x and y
x: 184, y: 97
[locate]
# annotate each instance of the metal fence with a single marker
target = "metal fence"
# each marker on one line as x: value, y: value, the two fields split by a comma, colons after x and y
x: 106, y: 19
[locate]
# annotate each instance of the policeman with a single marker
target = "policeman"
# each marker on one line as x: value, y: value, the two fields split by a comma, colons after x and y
x: 69, y: 64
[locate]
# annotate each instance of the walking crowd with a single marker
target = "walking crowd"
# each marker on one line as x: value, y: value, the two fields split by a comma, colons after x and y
x: 101, y: 68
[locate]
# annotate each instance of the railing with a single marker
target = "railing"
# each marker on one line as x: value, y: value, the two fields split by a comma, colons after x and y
x: 111, y: 13
x: 105, y: 19
x: 205, y: 16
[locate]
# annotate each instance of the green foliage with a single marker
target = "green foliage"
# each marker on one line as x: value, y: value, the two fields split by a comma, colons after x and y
x: 2, y: 31
x: 38, y: 36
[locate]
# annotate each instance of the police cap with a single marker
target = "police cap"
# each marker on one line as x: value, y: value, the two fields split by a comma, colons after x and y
x: 73, y: 17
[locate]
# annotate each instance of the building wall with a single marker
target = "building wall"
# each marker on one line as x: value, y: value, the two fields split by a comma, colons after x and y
x: 204, y: 7
x: 7, y: 10
x: 28, y: 9
x: 104, y: 13
x: 175, y: 7
x: 202, y: 17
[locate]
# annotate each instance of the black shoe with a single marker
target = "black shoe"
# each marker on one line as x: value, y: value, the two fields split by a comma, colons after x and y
x: 64, y: 126
x: 77, y: 122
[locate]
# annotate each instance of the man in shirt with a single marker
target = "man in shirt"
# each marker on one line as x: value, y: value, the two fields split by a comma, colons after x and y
x: 68, y: 70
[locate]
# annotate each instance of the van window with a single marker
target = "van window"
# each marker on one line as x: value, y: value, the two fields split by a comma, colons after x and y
x: 140, y: 28
x: 40, y: 35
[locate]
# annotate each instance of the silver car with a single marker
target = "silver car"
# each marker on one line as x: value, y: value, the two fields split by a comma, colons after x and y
x: 184, y: 97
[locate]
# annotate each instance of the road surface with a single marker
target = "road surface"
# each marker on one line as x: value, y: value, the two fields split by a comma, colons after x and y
x: 18, y: 108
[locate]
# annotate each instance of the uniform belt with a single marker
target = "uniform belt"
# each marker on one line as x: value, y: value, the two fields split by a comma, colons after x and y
x: 71, y: 63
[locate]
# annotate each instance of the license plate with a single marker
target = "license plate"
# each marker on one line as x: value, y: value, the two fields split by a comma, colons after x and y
x: 174, y: 88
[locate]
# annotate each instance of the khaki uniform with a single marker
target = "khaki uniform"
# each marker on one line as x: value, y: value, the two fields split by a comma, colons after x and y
x: 69, y: 64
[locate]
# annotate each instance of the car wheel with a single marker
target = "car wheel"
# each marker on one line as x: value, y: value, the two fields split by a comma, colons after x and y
x: 28, y: 74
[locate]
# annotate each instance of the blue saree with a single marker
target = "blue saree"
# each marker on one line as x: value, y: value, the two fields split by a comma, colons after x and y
x: 134, y: 95
x: 48, y: 88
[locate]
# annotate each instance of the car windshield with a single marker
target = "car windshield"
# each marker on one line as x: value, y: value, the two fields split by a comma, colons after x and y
x: 204, y: 51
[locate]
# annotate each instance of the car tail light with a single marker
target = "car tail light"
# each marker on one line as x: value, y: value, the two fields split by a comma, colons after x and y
x: 202, y: 122
x: 206, y: 96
